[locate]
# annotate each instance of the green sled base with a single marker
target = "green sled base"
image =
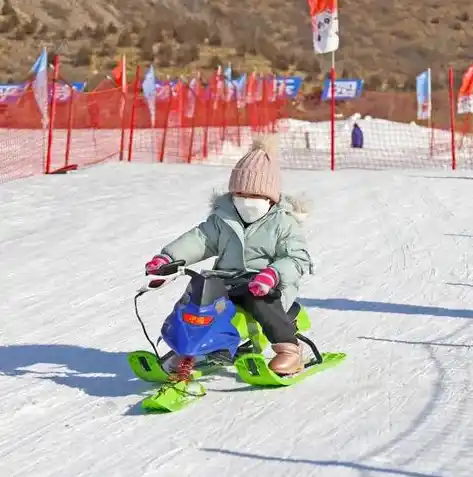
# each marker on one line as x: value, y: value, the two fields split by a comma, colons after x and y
x: 252, y: 368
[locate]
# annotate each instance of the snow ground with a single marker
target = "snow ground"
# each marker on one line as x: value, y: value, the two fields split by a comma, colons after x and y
x: 393, y: 289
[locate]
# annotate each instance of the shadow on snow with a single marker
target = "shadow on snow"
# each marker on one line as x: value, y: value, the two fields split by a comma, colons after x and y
x: 323, y: 463
x: 94, y: 371
x: 345, y: 304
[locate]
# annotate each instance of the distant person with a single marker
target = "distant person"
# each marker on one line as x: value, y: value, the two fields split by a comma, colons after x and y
x: 356, y: 136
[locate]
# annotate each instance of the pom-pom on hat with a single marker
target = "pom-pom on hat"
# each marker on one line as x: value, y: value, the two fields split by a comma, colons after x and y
x: 258, y: 171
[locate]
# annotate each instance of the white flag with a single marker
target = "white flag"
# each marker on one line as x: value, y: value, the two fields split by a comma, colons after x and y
x: 324, y: 14
x: 40, y: 85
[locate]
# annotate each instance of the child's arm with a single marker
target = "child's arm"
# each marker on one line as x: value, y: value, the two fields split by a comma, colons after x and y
x: 197, y: 244
x: 293, y: 260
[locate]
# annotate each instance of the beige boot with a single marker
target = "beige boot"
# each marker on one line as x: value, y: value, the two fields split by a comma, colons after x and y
x: 288, y: 359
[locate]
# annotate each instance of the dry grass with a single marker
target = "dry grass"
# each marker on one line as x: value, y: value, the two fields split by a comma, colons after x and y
x: 378, y: 42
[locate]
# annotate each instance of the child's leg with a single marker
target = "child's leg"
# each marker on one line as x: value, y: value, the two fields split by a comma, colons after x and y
x: 270, y: 314
x: 279, y: 330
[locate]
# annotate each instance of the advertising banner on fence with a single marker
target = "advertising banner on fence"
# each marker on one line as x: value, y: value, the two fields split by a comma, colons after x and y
x: 10, y: 93
x: 292, y: 85
x: 345, y: 89
x: 149, y: 92
x: 424, y: 95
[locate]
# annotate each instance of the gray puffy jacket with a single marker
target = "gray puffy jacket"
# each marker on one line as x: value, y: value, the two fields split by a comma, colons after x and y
x: 277, y: 240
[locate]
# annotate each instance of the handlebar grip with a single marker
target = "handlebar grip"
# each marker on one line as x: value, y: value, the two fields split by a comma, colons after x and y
x: 168, y: 269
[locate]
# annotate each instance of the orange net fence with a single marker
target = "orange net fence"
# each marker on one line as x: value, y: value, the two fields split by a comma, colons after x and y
x: 203, y: 125
x: 392, y: 136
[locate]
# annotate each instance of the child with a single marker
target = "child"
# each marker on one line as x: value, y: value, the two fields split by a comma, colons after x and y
x: 255, y: 228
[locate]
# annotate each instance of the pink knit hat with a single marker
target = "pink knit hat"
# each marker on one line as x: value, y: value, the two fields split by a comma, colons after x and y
x: 258, y: 172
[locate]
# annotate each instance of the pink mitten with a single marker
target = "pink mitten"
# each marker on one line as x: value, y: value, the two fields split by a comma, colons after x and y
x: 156, y: 263
x: 262, y: 283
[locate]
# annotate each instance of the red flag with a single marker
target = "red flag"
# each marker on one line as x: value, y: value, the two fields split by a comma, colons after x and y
x: 465, y: 95
x: 119, y: 74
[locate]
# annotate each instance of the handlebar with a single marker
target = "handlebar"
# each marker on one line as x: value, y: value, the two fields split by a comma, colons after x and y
x: 235, y: 281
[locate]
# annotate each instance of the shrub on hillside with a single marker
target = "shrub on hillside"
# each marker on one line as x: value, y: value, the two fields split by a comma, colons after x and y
x: 214, y: 62
x: 31, y: 26
x: 20, y: 34
x: 187, y: 54
x: 308, y: 64
x: 240, y: 50
x: 165, y: 55
x: 410, y: 83
x: 124, y: 39
x: 190, y: 32
x: 99, y: 33
x: 112, y: 29
x: 374, y: 83
x: 83, y: 56
x: 280, y: 62
x: 215, y: 39
x: 107, y: 50
x: 7, y: 8
x: 9, y: 23
x: 76, y: 35
x: 147, y: 52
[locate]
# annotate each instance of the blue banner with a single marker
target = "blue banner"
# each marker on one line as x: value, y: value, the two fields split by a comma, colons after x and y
x: 345, y: 89
x: 424, y: 95
x: 292, y: 86
x: 10, y: 93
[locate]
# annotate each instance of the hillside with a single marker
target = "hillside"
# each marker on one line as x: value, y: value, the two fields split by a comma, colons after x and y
x: 388, y: 42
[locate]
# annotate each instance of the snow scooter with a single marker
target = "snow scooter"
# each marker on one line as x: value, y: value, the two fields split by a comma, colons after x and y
x: 208, y: 331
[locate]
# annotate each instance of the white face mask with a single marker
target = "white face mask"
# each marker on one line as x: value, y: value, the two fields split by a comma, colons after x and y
x: 251, y: 209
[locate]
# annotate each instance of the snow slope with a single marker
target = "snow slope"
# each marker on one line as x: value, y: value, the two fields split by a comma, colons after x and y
x: 393, y: 289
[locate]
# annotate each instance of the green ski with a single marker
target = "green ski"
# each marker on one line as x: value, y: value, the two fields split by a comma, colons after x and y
x: 253, y: 369
x: 146, y: 367
x: 173, y: 397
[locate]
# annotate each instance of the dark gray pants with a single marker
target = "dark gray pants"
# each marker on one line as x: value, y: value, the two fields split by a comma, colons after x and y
x: 270, y: 314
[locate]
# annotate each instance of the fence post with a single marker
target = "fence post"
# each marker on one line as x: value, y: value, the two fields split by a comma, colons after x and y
x: 451, y: 91
x: 123, y: 104
x: 194, y: 113
x: 207, y: 102
x: 52, y: 114
x: 166, y: 125
x: 69, y: 128
x: 133, y: 111
x: 332, y: 118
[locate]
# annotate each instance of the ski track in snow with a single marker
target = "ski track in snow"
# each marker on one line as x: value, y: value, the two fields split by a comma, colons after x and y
x: 393, y: 289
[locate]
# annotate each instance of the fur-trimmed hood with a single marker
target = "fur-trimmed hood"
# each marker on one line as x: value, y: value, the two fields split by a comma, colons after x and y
x: 277, y: 240
x: 296, y: 206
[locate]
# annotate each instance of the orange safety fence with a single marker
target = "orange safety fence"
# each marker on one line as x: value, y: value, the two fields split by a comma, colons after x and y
x: 98, y: 126
x: 204, y: 125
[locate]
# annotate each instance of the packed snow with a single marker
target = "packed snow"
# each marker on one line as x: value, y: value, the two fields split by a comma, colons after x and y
x: 393, y: 289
